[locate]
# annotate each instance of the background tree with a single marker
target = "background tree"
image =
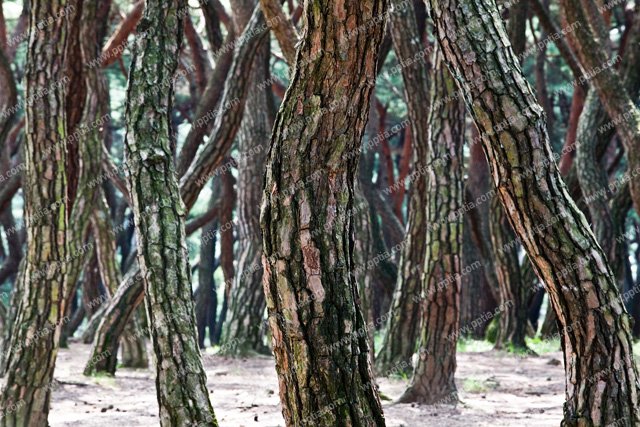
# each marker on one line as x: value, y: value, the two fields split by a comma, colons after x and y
x: 433, y: 380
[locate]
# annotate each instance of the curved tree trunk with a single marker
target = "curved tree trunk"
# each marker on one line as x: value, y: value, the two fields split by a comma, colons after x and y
x: 591, y: 50
x: 160, y: 212
x: 602, y: 385
x: 318, y: 330
x: 433, y: 380
x: 41, y: 304
x: 403, y: 326
x: 243, y: 329
x: 226, y: 127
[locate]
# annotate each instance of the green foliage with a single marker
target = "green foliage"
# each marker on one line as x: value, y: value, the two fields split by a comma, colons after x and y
x: 541, y: 346
x: 468, y: 345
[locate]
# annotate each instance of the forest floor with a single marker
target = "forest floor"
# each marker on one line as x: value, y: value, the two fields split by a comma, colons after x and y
x: 495, y: 389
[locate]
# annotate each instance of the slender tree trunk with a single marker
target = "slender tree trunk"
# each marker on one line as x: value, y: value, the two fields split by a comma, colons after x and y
x: 318, y: 330
x: 159, y: 211
x: 513, y: 317
x: 602, y: 385
x: 617, y: 101
x: 433, y: 380
x: 206, y: 295
x: 243, y: 332
x: 403, y: 327
x: 26, y: 395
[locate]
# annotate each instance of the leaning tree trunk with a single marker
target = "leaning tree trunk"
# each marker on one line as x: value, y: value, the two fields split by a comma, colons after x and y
x: 602, y: 385
x: 26, y: 395
x: 159, y: 212
x: 319, y: 335
x: 403, y: 326
x: 512, y: 325
x: 433, y: 379
x: 243, y: 329
x: 226, y: 127
x: 616, y: 100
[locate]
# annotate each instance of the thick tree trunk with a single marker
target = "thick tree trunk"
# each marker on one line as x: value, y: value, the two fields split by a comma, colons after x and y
x: 602, y: 385
x: 243, y: 330
x: 403, y: 326
x: 159, y: 211
x: 318, y: 330
x: 433, y: 380
x: 26, y: 395
x: 512, y: 324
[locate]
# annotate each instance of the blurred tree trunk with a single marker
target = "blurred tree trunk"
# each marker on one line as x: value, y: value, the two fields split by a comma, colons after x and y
x: 243, y: 330
x: 41, y: 293
x: 206, y: 297
x: 227, y: 239
x: 159, y: 211
x: 433, y: 379
x: 403, y: 327
x: 564, y: 252
x: 318, y: 329
x: 591, y: 46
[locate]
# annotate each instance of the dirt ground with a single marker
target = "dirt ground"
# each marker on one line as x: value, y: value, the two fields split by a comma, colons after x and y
x: 495, y: 390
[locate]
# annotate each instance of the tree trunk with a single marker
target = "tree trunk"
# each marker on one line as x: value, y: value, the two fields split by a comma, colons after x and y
x: 318, y: 330
x: 159, y: 211
x: 403, y: 327
x: 41, y: 304
x: 601, y: 374
x: 433, y: 380
x: 243, y: 331
x: 618, y: 103
x: 512, y: 324
x: 513, y: 317
x: 206, y: 295
x: 476, y: 297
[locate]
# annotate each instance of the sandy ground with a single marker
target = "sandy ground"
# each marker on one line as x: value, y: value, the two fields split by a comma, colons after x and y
x: 495, y: 390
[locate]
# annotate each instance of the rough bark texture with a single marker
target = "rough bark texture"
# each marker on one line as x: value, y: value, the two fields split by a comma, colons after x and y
x: 403, y: 326
x: 318, y: 330
x: 512, y: 326
x: 26, y: 395
x: 159, y: 214
x: 601, y: 375
x: 433, y: 380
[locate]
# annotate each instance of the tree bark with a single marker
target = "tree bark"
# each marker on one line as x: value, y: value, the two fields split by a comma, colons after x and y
x: 243, y: 330
x: 159, y: 211
x: 318, y: 330
x: 433, y: 380
x: 601, y: 375
x: 403, y: 327
x: 41, y: 293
